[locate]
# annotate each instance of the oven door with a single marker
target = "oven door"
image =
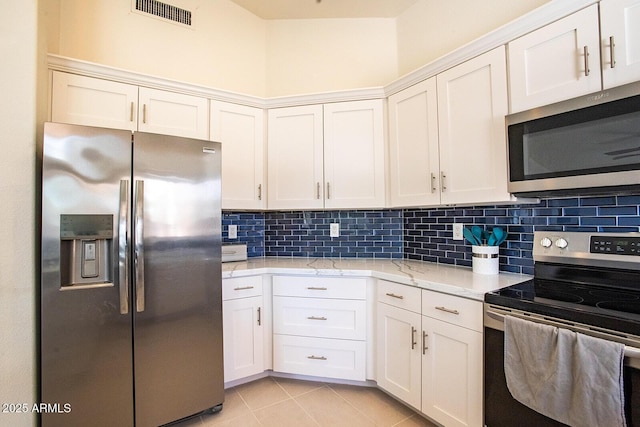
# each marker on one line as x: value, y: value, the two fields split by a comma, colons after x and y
x: 502, y: 410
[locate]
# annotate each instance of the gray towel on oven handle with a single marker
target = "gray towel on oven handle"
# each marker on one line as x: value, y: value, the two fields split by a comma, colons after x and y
x: 571, y: 377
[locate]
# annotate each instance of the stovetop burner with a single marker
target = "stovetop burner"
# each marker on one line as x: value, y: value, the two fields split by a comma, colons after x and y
x: 576, y: 281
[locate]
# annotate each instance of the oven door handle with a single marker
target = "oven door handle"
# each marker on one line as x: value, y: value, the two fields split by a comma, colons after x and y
x: 630, y: 352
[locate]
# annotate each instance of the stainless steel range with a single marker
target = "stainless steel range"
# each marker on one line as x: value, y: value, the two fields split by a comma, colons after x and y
x: 584, y: 282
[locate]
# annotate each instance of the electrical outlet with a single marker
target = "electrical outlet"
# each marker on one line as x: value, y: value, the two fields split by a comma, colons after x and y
x: 233, y: 231
x: 457, y: 231
x: 334, y: 231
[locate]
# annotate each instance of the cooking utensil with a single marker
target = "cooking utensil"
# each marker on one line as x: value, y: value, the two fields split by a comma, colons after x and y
x: 470, y: 237
x: 477, y: 232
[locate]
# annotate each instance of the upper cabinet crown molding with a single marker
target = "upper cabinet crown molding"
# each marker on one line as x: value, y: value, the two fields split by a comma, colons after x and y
x: 90, y: 69
x: 533, y: 20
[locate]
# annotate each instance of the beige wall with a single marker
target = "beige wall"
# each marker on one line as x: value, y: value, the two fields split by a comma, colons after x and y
x: 18, y: 82
x: 231, y: 49
x: 321, y: 55
x: 431, y: 28
x: 225, y: 48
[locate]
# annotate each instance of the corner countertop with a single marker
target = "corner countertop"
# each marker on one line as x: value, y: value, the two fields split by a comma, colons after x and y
x: 454, y: 280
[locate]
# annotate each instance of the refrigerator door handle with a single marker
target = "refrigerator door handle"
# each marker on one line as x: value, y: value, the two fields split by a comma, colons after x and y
x: 139, y: 244
x: 123, y: 259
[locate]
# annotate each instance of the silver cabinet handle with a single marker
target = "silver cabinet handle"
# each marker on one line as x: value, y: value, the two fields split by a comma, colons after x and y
x: 259, y: 316
x: 424, y: 342
x: 144, y: 113
x: 314, y: 288
x: 413, y: 338
x: 316, y: 318
x: 443, y: 182
x: 259, y: 191
x: 123, y: 258
x: 131, y: 113
x: 586, y: 61
x: 318, y: 190
x: 433, y: 183
x: 612, y: 47
x: 242, y: 288
x: 448, y: 310
x: 316, y: 357
x: 392, y: 295
x: 328, y: 191
x: 139, y: 245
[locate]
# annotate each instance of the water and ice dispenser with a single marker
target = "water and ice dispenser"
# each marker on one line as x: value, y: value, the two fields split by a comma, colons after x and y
x: 86, y: 250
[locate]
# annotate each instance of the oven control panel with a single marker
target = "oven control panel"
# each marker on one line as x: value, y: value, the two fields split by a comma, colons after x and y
x: 609, y: 250
x: 617, y: 245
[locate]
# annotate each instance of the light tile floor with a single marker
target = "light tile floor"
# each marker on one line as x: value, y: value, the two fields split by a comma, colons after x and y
x: 281, y: 402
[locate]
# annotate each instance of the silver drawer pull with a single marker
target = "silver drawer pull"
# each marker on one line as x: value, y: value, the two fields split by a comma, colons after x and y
x: 316, y: 318
x: 413, y: 337
x: 314, y: 288
x: 448, y: 310
x: 243, y: 288
x: 316, y: 357
x: 392, y: 295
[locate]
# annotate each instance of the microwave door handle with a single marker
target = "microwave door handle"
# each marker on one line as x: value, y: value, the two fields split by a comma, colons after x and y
x: 139, y: 245
x: 123, y: 260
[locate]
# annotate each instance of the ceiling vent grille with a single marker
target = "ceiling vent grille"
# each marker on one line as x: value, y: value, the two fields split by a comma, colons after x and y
x: 163, y: 10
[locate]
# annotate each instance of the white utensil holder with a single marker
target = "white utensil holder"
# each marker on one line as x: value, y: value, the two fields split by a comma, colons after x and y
x: 485, y: 259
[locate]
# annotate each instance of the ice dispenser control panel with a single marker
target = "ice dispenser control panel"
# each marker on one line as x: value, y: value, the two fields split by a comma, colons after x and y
x: 85, y: 242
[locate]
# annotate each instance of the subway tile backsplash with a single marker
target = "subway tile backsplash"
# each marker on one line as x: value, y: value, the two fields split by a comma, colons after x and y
x: 426, y: 234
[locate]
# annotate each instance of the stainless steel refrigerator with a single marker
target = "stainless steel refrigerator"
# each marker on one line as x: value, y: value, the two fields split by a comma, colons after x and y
x: 131, y: 304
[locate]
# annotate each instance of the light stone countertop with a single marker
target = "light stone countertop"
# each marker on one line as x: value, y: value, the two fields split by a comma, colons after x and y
x: 459, y: 281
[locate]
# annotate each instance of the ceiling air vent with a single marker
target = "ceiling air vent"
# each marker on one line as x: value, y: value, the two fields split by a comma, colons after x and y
x: 163, y: 10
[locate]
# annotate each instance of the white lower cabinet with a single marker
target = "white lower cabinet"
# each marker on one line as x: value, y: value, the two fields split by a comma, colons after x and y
x: 431, y: 357
x: 243, y: 319
x: 398, y: 353
x: 319, y: 326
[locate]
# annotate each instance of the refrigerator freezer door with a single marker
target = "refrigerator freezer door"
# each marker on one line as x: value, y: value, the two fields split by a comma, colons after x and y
x: 178, y: 307
x: 86, y: 359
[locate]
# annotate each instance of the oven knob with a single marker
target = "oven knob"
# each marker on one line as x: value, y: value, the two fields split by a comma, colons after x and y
x: 561, y: 243
x: 546, y: 242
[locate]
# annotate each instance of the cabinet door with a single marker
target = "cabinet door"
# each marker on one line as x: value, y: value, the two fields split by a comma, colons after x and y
x: 295, y: 158
x: 243, y: 338
x: 549, y: 64
x: 170, y: 113
x: 398, y: 353
x: 620, y: 32
x: 451, y: 374
x: 81, y: 100
x: 240, y: 129
x: 354, y: 165
x: 413, y: 146
x: 472, y: 104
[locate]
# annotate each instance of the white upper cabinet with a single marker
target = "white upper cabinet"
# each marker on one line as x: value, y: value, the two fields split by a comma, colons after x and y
x: 562, y: 60
x: 240, y: 129
x: 557, y: 62
x: 472, y: 104
x: 81, y: 100
x: 414, y: 161
x: 329, y: 156
x: 90, y: 101
x: 620, y: 33
x: 354, y: 164
x: 295, y: 158
x: 170, y: 113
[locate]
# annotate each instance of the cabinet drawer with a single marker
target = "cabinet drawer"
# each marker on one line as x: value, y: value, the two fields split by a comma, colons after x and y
x: 320, y: 357
x: 315, y: 317
x: 241, y: 287
x: 452, y: 309
x: 320, y: 287
x: 398, y: 295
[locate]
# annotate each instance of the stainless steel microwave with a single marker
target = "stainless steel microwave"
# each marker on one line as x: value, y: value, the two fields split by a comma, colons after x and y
x: 586, y: 145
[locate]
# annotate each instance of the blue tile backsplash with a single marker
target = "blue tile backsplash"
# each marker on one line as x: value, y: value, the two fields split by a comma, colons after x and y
x: 426, y: 234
